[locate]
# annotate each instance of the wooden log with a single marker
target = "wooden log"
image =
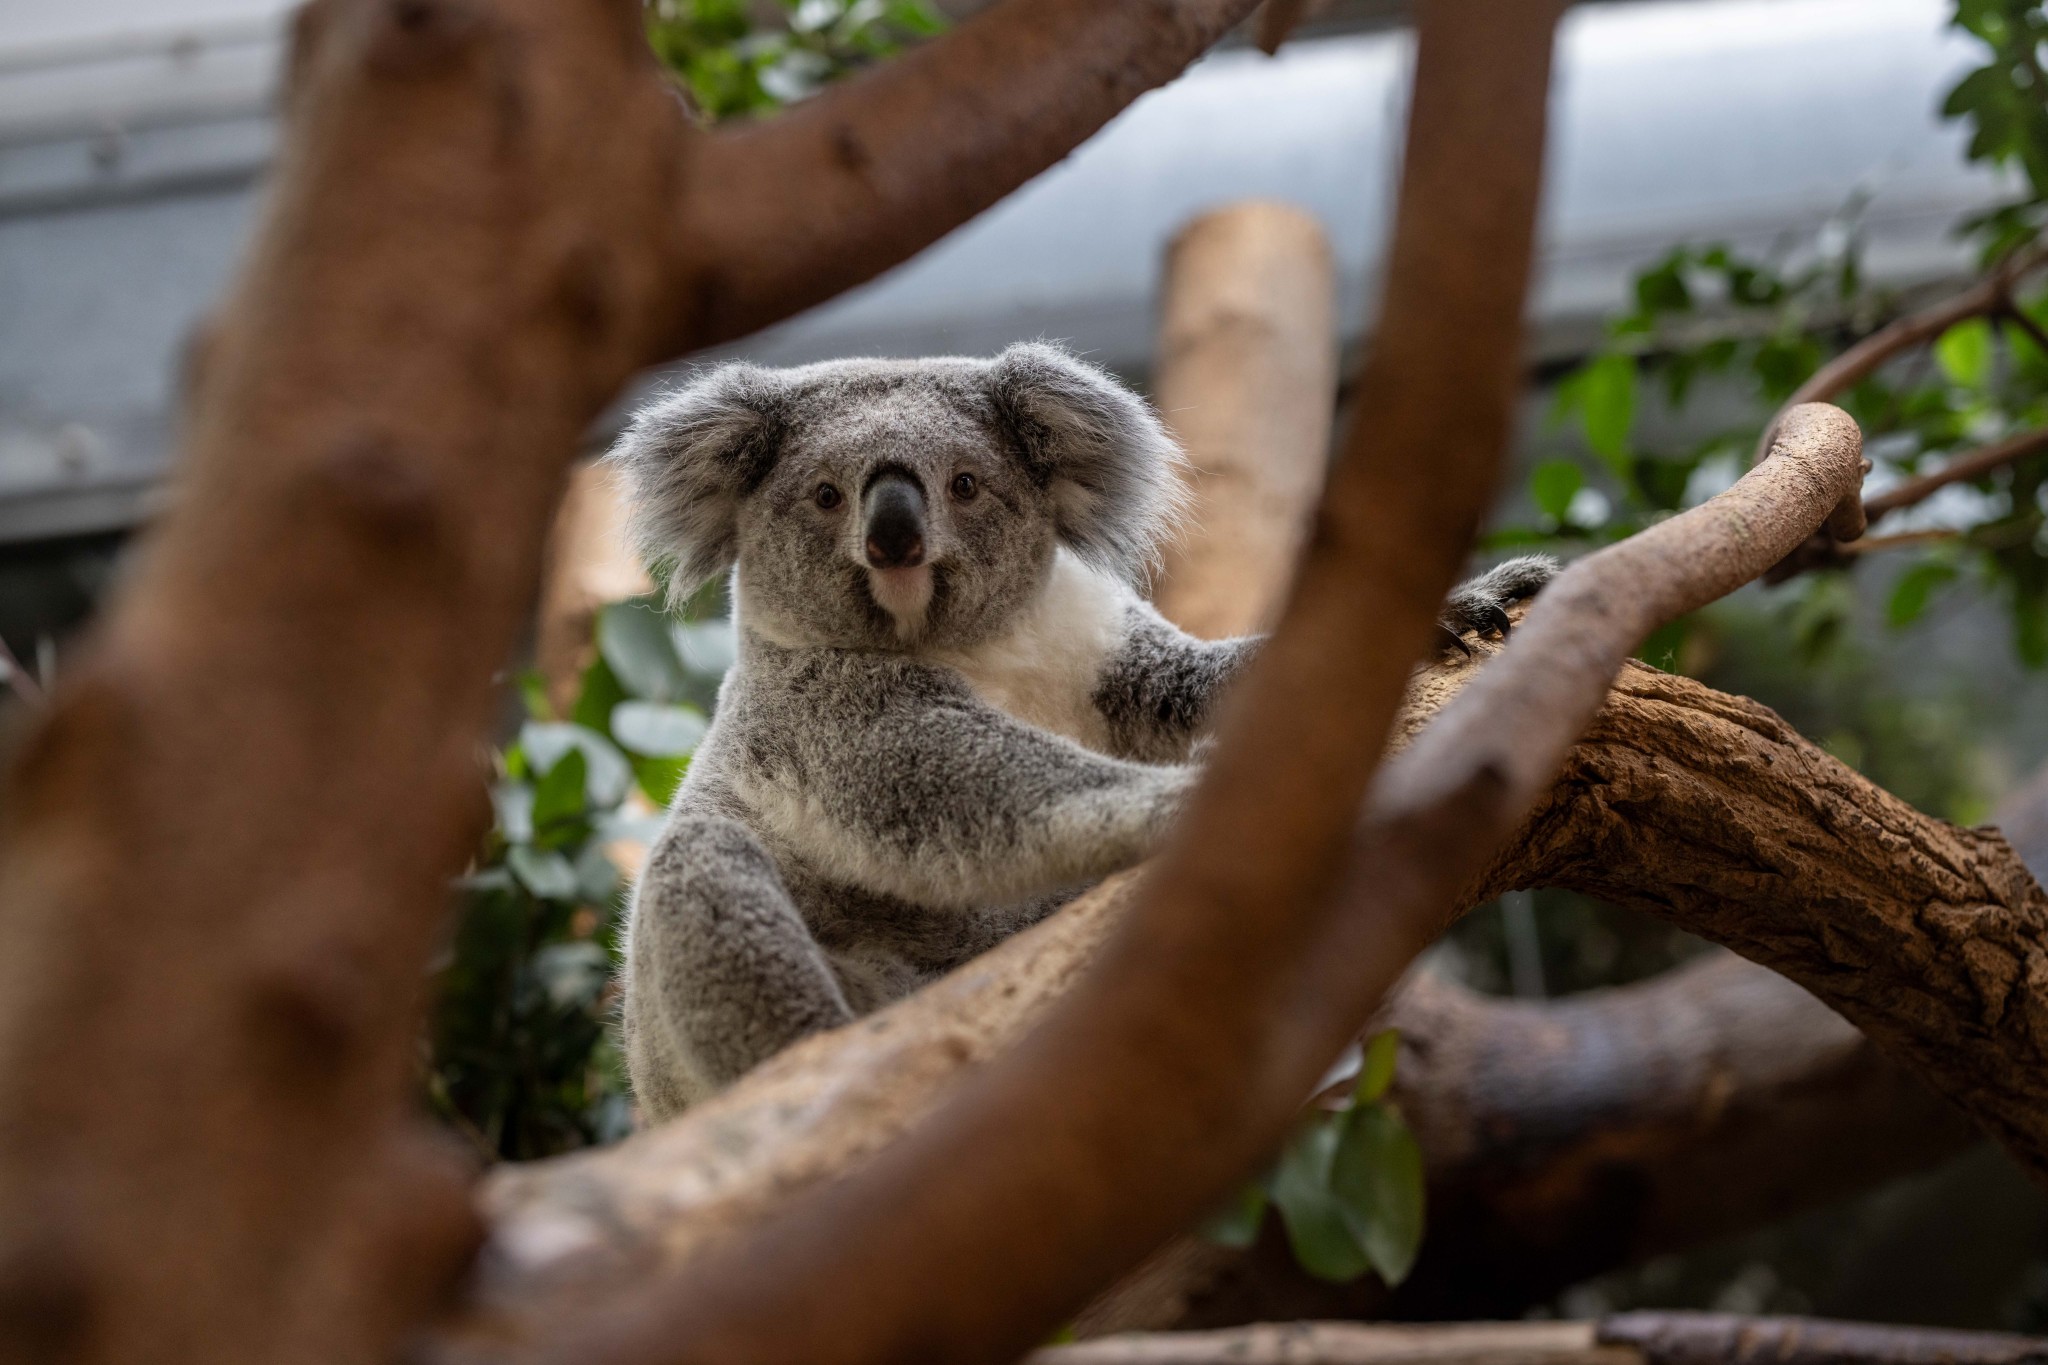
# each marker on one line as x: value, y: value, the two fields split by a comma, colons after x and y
x: 1247, y: 379
x: 589, y: 563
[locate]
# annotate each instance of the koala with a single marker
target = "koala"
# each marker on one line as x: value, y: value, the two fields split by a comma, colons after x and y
x: 953, y: 708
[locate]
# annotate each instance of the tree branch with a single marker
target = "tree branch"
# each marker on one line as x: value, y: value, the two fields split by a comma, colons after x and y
x: 1931, y: 939
x: 1653, y: 1338
x: 1567, y: 1138
x: 839, y: 188
x: 1992, y: 294
x: 1962, y: 468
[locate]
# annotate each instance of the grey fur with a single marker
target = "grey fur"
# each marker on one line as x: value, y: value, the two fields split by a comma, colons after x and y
x: 907, y: 765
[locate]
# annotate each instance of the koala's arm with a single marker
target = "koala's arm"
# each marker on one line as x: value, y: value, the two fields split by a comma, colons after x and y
x: 1158, y: 689
x: 721, y: 972
x: 941, y: 799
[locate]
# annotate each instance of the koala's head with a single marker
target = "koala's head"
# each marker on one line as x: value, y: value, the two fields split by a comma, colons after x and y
x: 884, y: 503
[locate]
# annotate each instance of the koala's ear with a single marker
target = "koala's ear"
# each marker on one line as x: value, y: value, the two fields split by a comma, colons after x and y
x: 687, y: 460
x: 1113, y: 471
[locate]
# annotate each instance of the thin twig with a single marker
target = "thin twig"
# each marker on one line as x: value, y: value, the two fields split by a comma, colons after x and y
x: 1963, y: 468
x: 1991, y: 294
x: 2020, y: 318
x: 1904, y: 540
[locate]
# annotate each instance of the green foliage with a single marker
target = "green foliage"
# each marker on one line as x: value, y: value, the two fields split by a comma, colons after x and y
x: 522, y: 1056
x: 1753, y: 328
x: 730, y: 67
x: 1348, y: 1185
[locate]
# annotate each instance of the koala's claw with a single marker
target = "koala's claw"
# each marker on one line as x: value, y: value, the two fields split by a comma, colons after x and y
x: 1480, y: 605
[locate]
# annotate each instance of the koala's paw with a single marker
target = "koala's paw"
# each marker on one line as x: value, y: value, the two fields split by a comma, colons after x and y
x: 1479, y: 605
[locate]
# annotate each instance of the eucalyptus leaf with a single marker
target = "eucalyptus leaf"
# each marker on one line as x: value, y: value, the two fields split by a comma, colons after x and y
x: 572, y: 973
x: 561, y: 792
x: 1317, y: 1232
x: 513, y: 803
x: 544, y: 872
x: 1964, y: 353
x: 1376, y: 1070
x: 1607, y: 407
x: 708, y: 648
x: 608, y: 773
x: 596, y: 876
x: 1376, y: 1175
x: 1552, y: 485
x: 636, y: 642
x: 656, y: 729
x: 1913, y: 591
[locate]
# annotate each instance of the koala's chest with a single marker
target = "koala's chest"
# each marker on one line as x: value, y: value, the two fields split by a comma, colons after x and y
x: 1046, y: 669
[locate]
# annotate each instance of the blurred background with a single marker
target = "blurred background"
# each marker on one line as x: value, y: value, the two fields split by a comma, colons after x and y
x: 1735, y: 188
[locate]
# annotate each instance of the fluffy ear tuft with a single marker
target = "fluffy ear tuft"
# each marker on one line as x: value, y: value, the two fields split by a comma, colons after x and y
x: 689, y: 457
x: 1114, y: 472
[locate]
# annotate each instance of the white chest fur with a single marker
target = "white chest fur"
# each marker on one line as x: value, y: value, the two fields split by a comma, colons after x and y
x: 1043, y: 670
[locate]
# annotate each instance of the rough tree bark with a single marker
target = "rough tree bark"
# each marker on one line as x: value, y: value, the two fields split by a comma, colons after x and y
x: 225, y: 850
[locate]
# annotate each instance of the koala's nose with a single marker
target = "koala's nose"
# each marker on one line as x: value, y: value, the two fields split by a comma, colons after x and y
x: 895, y: 523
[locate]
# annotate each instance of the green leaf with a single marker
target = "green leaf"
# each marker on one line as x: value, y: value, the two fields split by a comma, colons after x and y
x: 636, y: 641
x: 1376, y: 1174
x: 599, y: 693
x: 573, y: 974
x: 656, y: 730
x: 1607, y: 407
x: 561, y: 792
x: 1236, y: 1224
x: 1376, y: 1068
x: 1914, y: 589
x: 1321, y: 1239
x: 1964, y: 353
x: 1553, y: 484
x: 608, y: 772
x: 596, y: 875
x: 544, y: 872
x: 513, y: 803
x: 1662, y: 288
x: 707, y: 648
x: 659, y: 777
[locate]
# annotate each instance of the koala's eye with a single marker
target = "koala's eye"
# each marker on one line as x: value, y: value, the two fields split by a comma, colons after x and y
x: 826, y: 497
x: 964, y: 487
